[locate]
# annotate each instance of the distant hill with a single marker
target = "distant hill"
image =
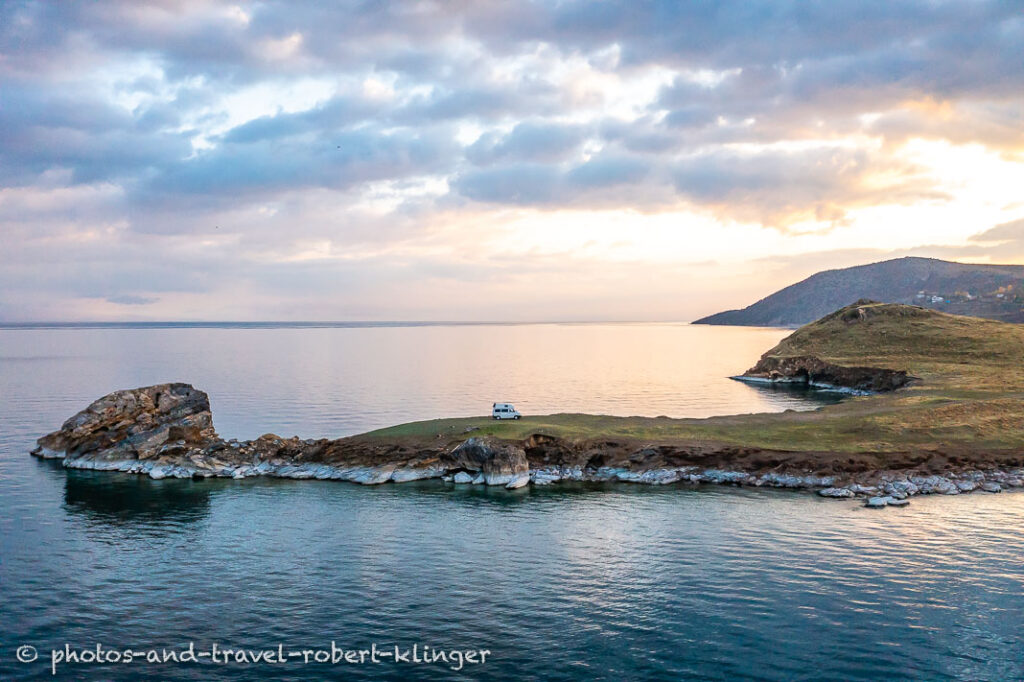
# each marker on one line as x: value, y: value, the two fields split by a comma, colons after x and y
x: 992, y: 291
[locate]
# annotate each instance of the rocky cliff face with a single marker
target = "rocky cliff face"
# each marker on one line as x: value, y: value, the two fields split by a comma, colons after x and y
x: 802, y: 357
x: 813, y: 371
x: 500, y: 463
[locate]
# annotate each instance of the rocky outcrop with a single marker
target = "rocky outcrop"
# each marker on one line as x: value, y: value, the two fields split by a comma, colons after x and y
x: 500, y: 463
x: 166, y: 431
x: 140, y: 424
x: 812, y: 371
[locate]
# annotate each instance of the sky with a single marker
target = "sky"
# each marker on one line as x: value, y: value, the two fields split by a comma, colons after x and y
x: 483, y: 160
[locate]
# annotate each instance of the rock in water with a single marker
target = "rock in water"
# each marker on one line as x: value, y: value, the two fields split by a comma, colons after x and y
x: 134, y: 424
x: 518, y: 480
x: 836, y: 492
x: 886, y: 501
x: 500, y: 463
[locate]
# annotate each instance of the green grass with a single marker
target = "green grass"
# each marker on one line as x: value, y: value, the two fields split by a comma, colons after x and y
x: 947, y: 351
x: 971, y: 397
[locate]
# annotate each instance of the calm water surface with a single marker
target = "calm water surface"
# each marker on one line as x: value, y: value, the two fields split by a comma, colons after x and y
x: 567, y: 582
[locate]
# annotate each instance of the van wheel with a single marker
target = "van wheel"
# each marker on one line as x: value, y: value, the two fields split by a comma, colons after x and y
x: 494, y: 418
x: 517, y: 417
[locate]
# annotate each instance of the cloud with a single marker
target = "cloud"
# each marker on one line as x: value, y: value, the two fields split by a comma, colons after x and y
x: 605, y: 180
x: 263, y: 169
x: 781, y: 187
x: 528, y: 141
x: 1012, y: 231
x: 73, y: 129
x: 356, y: 142
x: 524, y: 184
x: 773, y: 187
x: 131, y: 299
x: 608, y: 171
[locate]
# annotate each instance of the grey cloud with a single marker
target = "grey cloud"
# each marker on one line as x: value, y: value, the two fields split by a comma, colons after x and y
x: 780, y: 187
x: 605, y: 180
x: 955, y: 55
x: 481, y: 101
x: 688, y: 35
x: 337, y: 114
x: 774, y: 187
x: 642, y: 136
x: 524, y: 184
x: 608, y: 171
x: 70, y: 128
x: 131, y: 299
x: 1012, y: 231
x: 261, y: 169
x: 528, y: 141
x: 797, y: 63
x: 691, y: 116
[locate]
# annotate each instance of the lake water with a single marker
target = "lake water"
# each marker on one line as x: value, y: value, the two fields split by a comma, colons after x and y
x: 566, y: 582
x: 330, y: 381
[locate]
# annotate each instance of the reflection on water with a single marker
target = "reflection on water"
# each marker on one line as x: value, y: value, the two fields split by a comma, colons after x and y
x: 799, y: 392
x: 122, y: 499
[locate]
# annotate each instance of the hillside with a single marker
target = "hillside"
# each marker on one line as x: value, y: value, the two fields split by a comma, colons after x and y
x: 989, y: 291
x: 938, y: 348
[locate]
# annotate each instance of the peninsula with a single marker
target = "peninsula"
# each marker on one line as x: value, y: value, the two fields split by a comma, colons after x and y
x: 937, y: 406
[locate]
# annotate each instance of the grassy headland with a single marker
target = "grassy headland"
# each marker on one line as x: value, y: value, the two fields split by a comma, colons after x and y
x: 967, y: 405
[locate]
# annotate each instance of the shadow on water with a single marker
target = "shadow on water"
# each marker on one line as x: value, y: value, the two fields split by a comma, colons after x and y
x: 125, y: 499
x: 435, y: 492
x: 110, y: 498
x: 799, y: 393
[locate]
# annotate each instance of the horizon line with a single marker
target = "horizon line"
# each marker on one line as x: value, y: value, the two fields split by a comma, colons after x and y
x: 309, y: 323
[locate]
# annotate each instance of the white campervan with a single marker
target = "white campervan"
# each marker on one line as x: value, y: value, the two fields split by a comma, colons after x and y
x: 504, y: 411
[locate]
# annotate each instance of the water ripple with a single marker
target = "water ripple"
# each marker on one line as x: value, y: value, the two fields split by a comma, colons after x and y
x: 589, y: 581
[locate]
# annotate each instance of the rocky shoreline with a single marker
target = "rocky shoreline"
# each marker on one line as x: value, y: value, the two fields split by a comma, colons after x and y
x: 800, y: 382
x: 812, y: 371
x: 166, y: 431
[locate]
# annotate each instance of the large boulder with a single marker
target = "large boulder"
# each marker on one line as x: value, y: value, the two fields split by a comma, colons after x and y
x: 139, y: 423
x: 500, y: 463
